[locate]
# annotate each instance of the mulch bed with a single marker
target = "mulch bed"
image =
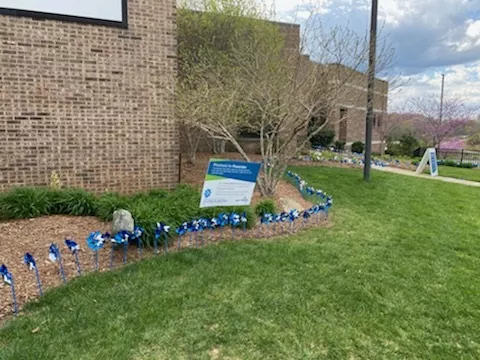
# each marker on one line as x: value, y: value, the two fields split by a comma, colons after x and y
x: 36, y: 235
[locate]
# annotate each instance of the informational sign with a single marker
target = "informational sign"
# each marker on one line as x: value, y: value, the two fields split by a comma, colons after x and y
x: 105, y: 12
x: 229, y: 183
x: 430, y: 157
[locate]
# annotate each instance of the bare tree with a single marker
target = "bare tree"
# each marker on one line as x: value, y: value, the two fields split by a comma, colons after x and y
x: 456, y: 113
x: 391, y: 123
x: 268, y: 89
x: 189, y: 108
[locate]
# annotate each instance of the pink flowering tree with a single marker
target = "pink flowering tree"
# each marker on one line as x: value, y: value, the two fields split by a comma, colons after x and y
x: 433, y: 129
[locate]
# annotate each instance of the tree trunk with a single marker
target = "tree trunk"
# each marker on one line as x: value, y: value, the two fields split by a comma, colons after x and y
x: 218, y: 146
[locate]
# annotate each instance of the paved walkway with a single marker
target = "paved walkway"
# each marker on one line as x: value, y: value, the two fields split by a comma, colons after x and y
x: 438, y: 178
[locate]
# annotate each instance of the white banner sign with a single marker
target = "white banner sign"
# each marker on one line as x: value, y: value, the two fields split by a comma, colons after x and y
x: 229, y: 183
x: 102, y: 10
x: 430, y: 157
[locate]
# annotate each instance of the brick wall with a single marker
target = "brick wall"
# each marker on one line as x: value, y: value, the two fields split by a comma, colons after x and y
x: 89, y: 102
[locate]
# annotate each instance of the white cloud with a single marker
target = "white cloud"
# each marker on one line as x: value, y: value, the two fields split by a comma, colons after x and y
x: 473, y: 30
x: 431, y: 37
x: 460, y: 80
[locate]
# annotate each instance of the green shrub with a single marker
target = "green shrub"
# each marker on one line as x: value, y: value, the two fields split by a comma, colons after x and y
x: 108, y: 203
x: 339, y: 145
x: 358, y: 147
x: 405, y: 147
x: 147, y: 208
x: 75, y: 202
x: 453, y: 163
x: 324, y: 138
x: 22, y: 203
x: 265, y: 207
x: 27, y: 202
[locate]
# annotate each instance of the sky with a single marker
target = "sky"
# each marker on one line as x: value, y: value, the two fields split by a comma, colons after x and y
x: 430, y: 37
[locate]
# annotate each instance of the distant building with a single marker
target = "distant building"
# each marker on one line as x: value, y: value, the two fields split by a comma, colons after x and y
x: 349, y: 119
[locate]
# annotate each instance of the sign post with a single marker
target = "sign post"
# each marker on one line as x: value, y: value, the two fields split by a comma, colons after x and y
x: 229, y: 183
x: 430, y: 157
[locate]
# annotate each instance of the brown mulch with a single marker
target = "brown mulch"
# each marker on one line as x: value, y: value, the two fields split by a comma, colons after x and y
x: 35, y: 236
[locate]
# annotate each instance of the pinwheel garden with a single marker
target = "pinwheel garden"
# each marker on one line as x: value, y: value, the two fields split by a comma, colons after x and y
x: 70, y: 258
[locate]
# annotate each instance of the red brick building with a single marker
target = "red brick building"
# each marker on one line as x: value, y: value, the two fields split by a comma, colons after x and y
x: 89, y: 101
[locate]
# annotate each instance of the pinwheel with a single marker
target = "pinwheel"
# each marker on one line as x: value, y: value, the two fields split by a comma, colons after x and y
x: 276, y: 219
x: 29, y: 260
x: 8, y: 279
x: 161, y: 230
x: 74, y: 248
x: 55, y: 256
x: 213, y: 226
x: 194, y: 227
x: 306, y: 216
x: 234, y: 220
x: 266, y: 219
x: 244, y: 221
x: 204, y: 224
x: 292, y: 216
x: 120, y: 238
x: 222, y: 222
x: 96, y: 241
x: 181, y: 230
x: 137, y: 235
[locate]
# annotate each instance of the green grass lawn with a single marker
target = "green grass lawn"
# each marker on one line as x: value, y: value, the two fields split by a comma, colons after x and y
x: 395, y: 277
x: 459, y: 173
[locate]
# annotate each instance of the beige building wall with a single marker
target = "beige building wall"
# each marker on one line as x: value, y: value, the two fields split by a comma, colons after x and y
x: 90, y: 102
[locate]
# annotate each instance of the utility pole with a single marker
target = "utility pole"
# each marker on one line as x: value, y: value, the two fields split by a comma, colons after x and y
x: 441, y: 103
x: 441, y: 98
x: 371, y: 90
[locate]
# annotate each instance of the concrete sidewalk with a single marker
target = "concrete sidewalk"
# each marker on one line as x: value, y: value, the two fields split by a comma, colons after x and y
x: 438, y: 178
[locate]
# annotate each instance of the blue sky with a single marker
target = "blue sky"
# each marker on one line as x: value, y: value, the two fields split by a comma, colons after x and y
x: 430, y: 37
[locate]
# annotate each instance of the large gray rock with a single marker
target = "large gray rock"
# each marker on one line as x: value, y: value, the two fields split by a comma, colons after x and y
x: 122, y: 221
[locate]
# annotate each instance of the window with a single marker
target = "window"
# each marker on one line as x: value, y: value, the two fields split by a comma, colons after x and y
x: 379, y: 120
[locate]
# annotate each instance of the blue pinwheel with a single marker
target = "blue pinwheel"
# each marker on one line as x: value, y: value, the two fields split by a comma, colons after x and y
x: 204, y: 224
x: 265, y: 220
x: 161, y: 230
x: 222, y: 221
x: 74, y: 248
x: 306, y: 215
x: 8, y: 279
x: 244, y: 221
x: 96, y: 242
x: 120, y: 238
x: 137, y: 235
x: 55, y: 256
x: 234, y: 220
x: 193, y: 228
x: 181, y: 230
x: 213, y: 225
x: 29, y: 260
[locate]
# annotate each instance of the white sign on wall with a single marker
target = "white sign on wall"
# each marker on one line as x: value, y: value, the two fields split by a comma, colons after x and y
x: 430, y: 157
x: 105, y: 12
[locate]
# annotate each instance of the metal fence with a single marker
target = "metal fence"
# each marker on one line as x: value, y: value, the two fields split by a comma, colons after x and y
x: 461, y: 155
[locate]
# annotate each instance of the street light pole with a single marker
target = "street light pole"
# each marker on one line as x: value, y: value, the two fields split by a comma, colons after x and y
x: 441, y: 97
x: 371, y: 90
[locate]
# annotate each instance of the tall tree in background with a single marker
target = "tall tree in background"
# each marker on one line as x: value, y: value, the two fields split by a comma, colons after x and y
x: 456, y: 113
